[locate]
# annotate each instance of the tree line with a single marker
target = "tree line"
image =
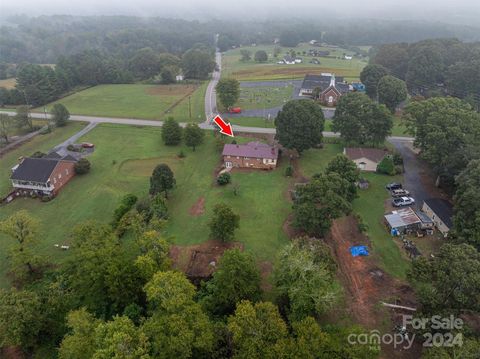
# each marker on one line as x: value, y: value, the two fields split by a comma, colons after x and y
x: 38, y: 85
x: 434, y: 67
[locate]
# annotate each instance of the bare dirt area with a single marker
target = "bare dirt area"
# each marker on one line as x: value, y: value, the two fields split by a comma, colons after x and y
x: 11, y: 353
x: 200, y: 260
x: 171, y: 90
x: 198, y: 208
x: 266, y: 269
x: 366, y: 285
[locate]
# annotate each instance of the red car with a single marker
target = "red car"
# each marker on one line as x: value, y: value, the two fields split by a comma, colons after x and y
x: 235, y: 110
x: 87, y: 145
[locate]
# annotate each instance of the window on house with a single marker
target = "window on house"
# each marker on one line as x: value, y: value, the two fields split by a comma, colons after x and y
x: 66, y: 172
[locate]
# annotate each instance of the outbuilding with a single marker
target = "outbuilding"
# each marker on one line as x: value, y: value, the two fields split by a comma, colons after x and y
x: 403, y: 221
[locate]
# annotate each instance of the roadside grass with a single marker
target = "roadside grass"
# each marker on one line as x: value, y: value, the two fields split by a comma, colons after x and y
x: 181, y: 112
x: 251, y: 122
x: 251, y: 71
x: 134, y: 101
x: 398, y: 128
x: 252, y: 98
x: 369, y: 206
x: 123, y: 160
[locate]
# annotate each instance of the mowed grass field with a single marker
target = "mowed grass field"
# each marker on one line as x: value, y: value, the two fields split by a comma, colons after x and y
x: 138, y: 101
x: 252, y: 71
x: 122, y: 163
x: 8, y: 83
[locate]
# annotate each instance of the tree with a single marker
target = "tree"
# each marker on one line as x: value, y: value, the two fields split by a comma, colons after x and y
x: 391, y: 92
x: 197, y: 64
x: 162, y: 180
x: 193, y: 135
x: 154, y: 255
x: 60, y: 115
x: 466, y: 217
x: 80, y: 343
x: 246, y: 55
x: 265, y: 321
x: 236, y: 277
x: 223, y: 223
x: 100, y: 271
x: 6, y: 126
x: 23, y: 118
x: 23, y: 230
x: 126, y: 204
x: 317, y: 203
x: 228, y: 91
x: 449, y: 282
x: 167, y: 75
x: 386, y: 166
x: 300, y: 125
x: 468, y: 350
x: 20, y: 318
x: 145, y: 63
x: 178, y: 328
x: 261, y: 56
x: 171, y: 132
x: 447, y: 132
x: 360, y: 120
x: 346, y: 169
x: 394, y: 57
x: 370, y: 76
x: 289, y: 38
x: 276, y: 51
x: 120, y: 338
x: 308, y: 284
x: 82, y: 166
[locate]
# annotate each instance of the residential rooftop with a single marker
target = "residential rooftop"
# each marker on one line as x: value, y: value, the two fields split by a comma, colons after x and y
x: 251, y: 150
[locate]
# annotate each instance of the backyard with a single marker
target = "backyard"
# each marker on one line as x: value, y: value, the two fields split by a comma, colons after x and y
x: 251, y: 70
x: 122, y: 163
x: 138, y: 101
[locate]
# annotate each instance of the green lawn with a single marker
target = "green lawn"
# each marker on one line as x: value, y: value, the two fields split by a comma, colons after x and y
x: 181, y: 112
x: 250, y: 70
x: 123, y: 161
x: 369, y: 205
x: 251, y: 122
x: 136, y: 101
x: 264, y: 97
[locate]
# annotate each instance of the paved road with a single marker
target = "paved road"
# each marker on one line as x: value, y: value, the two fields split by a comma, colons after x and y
x: 210, y: 95
x: 61, y: 149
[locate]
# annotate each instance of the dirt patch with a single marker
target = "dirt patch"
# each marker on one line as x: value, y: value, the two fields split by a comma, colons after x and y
x: 11, y: 353
x: 367, y: 285
x: 171, y: 90
x: 266, y: 269
x: 290, y: 72
x: 198, y: 208
x: 199, y: 261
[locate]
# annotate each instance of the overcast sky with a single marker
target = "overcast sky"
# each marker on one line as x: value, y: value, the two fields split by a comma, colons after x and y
x: 454, y: 11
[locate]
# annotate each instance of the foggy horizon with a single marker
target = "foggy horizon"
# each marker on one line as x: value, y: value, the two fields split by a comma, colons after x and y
x: 464, y: 12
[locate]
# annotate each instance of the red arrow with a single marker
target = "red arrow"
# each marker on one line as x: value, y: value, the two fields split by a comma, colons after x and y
x: 225, y: 128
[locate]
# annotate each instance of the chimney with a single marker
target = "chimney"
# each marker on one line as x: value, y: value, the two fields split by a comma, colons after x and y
x: 332, y: 80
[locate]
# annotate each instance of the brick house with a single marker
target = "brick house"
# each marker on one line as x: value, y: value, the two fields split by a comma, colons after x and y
x: 330, y: 88
x: 250, y: 155
x: 43, y: 176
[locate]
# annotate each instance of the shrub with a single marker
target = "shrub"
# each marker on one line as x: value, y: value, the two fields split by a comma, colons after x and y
x: 82, y: 166
x: 126, y: 205
x: 181, y: 154
x: 289, y: 171
x: 38, y: 154
x: 397, y: 159
x: 386, y: 166
x: 224, y: 179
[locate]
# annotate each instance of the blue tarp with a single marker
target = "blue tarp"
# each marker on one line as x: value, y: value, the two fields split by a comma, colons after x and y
x: 359, y: 251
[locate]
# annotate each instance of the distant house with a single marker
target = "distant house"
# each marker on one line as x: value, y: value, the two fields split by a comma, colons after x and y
x: 43, y: 176
x: 331, y: 88
x: 179, y: 78
x: 313, y: 42
x: 250, y: 155
x: 298, y: 60
x: 366, y: 159
x: 315, y: 61
x: 441, y: 212
x: 347, y: 57
x: 287, y: 60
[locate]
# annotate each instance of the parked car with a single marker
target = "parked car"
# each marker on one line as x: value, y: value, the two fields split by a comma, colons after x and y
x: 393, y: 185
x: 399, y: 193
x: 88, y: 145
x: 403, y: 201
x: 235, y: 110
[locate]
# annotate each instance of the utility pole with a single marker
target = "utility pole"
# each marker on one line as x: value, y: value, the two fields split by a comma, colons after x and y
x: 190, y: 108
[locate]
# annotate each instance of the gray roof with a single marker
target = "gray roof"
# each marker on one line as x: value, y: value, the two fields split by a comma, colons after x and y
x: 252, y: 150
x: 35, y: 169
x: 310, y: 82
x: 442, y: 208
